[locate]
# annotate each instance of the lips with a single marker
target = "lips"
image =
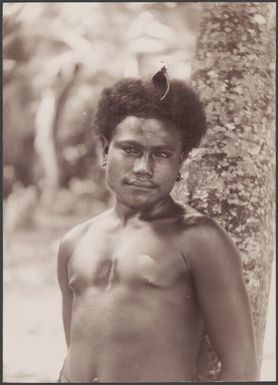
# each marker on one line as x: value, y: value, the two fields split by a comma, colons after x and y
x: 138, y: 184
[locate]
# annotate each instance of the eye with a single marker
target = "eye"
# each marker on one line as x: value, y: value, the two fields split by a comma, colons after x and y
x: 130, y: 150
x: 162, y: 154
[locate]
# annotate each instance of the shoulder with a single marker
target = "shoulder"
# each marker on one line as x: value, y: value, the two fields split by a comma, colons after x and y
x: 204, y: 240
x: 70, y: 240
x: 73, y: 236
x: 202, y: 227
x: 193, y: 221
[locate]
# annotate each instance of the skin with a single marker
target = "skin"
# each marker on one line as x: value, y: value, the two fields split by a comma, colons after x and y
x: 142, y: 281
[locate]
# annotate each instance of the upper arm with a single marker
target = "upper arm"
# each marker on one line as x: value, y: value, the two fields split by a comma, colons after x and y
x: 66, y: 249
x: 64, y: 253
x: 218, y: 279
x: 67, y: 246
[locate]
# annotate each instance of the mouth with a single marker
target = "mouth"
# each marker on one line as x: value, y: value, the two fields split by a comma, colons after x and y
x: 141, y: 185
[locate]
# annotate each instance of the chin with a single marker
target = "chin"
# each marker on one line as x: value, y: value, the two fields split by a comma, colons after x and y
x: 138, y: 203
x: 135, y: 202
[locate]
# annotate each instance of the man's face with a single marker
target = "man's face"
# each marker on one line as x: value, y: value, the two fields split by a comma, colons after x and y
x: 143, y: 161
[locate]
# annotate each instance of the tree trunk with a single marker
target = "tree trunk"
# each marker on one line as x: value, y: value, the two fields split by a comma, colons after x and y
x: 48, y: 121
x: 231, y: 177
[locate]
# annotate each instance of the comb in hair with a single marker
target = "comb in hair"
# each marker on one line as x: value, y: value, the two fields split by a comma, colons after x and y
x: 161, y: 78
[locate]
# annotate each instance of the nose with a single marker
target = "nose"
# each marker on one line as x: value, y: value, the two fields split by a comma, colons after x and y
x: 143, y: 167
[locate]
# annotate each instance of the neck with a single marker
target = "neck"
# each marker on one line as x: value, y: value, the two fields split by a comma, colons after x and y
x: 160, y: 210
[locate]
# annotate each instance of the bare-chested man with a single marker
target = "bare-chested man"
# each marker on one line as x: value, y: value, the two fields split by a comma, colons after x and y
x: 141, y: 281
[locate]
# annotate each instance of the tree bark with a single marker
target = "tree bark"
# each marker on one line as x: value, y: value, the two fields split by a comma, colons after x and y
x: 231, y: 177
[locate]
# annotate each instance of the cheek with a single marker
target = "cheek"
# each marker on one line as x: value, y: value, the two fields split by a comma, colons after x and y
x: 113, y: 159
x: 116, y: 167
x: 112, y: 170
x: 169, y: 181
x: 169, y: 171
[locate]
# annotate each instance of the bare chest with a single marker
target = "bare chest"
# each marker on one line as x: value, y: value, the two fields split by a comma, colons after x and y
x: 131, y: 260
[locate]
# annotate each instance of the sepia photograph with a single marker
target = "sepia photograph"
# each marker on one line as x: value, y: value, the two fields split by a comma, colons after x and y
x: 139, y: 194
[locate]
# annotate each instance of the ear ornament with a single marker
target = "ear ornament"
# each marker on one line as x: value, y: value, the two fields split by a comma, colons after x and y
x: 179, y: 177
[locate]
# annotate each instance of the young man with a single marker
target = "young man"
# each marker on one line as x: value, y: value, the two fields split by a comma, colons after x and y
x: 142, y: 281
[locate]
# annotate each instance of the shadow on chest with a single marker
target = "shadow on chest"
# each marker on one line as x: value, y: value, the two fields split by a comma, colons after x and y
x: 135, y: 261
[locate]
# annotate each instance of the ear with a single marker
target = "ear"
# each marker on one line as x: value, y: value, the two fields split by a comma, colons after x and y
x: 104, y: 147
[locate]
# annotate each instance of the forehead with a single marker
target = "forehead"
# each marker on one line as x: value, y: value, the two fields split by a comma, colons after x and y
x: 151, y: 131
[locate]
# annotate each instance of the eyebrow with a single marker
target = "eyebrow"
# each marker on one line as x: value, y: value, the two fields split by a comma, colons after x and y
x: 136, y: 144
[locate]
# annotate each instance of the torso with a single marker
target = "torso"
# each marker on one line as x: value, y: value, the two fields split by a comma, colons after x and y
x: 135, y: 316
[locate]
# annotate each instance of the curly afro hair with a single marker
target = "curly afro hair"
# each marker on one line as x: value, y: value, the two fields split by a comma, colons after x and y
x: 141, y: 98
